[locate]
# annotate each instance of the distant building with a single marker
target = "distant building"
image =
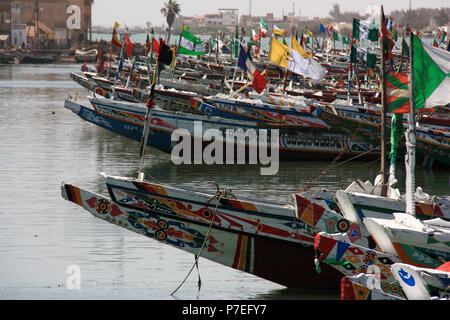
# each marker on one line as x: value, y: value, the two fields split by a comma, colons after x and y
x: 225, y: 18
x: 46, y: 23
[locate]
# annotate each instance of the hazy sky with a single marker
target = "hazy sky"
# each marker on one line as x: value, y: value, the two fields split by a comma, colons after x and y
x: 137, y: 12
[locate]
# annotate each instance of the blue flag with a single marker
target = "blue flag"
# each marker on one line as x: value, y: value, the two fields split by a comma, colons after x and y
x: 322, y: 28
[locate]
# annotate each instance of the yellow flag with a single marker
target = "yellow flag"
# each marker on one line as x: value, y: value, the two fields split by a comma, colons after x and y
x: 116, y: 25
x: 279, y: 53
x: 309, y: 33
x: 297, y: 46
x: 172, y: 63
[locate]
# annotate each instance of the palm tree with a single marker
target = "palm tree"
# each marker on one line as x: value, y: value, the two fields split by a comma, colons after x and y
x: 170, y: 10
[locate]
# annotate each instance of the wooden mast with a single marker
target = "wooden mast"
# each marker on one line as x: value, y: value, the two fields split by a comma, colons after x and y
x: 384, y: 171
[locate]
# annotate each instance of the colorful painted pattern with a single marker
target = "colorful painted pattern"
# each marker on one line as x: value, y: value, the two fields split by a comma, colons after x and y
x: 351, y: 260
x: 366, y: 126
x: 271, y: 258
x: 316, y: 214
x: 240, y: 216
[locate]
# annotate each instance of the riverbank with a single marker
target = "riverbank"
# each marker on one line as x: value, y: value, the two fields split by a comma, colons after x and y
x: 88, y: 53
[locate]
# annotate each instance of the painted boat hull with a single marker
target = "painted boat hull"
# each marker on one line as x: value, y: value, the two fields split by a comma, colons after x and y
x: 430, y: 143
x: 252, y: 240
x: 128, y: 120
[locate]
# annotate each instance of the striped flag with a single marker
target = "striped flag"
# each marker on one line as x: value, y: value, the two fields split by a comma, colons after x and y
x: 397, y: 92
x: 364, y: 30
x: 363, y: 57
x: 190, y: 44
x: 255, y: 36
x: 431, y: 75
x: 263, y: 28
x: 278, y: 31
x: 245, y: 63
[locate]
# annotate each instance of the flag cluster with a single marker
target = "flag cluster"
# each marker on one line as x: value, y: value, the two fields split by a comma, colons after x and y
x: 292, y: 60
x: 364, y: 30
x: 363, y: 57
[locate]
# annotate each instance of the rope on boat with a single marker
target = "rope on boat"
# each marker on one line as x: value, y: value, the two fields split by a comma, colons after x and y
x: 332, y: 166
x: 319, y: 176
x: 219, y: 194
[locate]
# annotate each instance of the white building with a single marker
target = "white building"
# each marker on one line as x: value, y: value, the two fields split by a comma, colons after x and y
x: 225, y: 17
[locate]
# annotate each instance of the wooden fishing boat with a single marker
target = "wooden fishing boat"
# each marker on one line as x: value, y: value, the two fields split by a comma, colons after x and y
x: 433, y: 138
x: 355, y: 242
x: 9, y: 57
x: 258, y: 237
x: 34, y: 57
x: 294, y: 143
x: 86, y: 55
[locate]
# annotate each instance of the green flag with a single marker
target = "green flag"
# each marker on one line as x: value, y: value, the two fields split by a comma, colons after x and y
x: 431, y: 75
x: 339, y: 37
x: 364, y: 30
x: 396, y: 135
x: 190, y: 44
x: 363, y: 57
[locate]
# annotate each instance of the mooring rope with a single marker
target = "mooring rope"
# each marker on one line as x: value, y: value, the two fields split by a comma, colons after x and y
x: 218, y: 195
x: 340, y: 154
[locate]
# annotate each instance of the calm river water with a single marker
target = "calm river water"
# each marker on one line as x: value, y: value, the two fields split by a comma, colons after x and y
x: 43, y: 144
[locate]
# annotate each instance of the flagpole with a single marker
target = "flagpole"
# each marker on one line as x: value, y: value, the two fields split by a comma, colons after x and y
x: 176, y: 53
x: 401, y: 55
x: 148, y: 117
x: 349, y: 79
x: 110, y: 54
x: 235, y: 68
x: 410, y: 159
x: 383, y: 141
x: 109, y: 61
x: 131, y: 72
x: 118, y: 67
x: 217, y: 49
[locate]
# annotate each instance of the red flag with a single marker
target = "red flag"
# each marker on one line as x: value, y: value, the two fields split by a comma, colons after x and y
x: 155, y: 46
x: 115, y: 40
x: 100, y: 62
x: 387, y: 40
x: 130, y: 46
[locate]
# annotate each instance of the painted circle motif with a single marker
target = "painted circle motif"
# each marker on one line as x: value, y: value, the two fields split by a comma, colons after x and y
x: 395, y: 289
x: 161, y: 235
x: 103, y: 206
x: 343, y: 225
x: 163, y: 224
x: 206, y: 213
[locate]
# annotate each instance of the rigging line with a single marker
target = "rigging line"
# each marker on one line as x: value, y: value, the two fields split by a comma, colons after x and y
x: 317, y: 177
x: 218, y: 195
x: 337, y: 165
